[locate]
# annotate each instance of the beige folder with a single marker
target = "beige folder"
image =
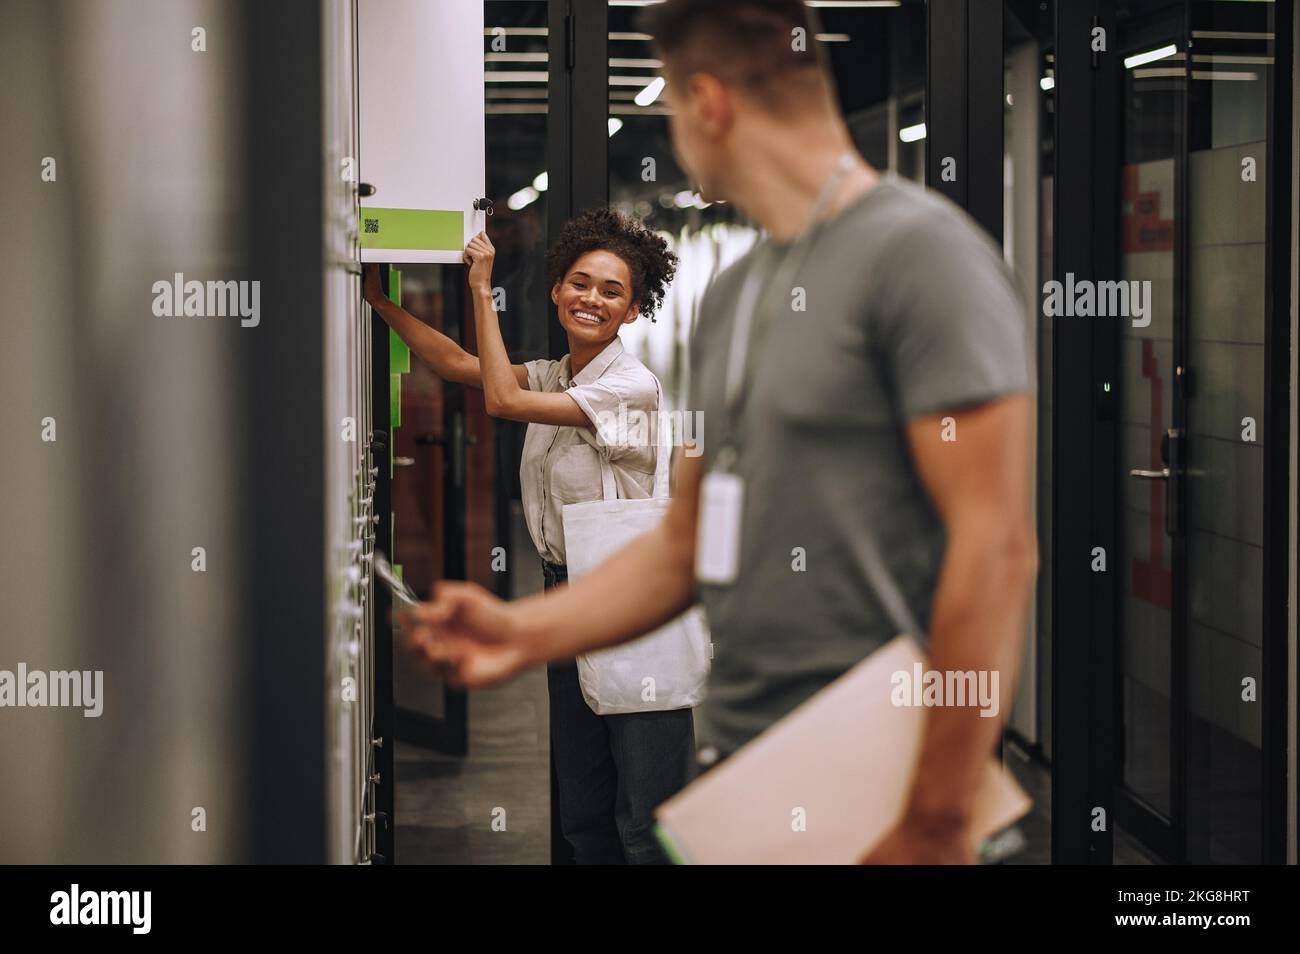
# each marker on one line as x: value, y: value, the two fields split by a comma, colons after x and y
x: 826, y: 783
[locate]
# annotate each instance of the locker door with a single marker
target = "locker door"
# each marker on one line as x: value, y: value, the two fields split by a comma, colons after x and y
x: 421, y: 95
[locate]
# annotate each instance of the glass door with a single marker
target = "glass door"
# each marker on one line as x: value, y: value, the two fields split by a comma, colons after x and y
x: 1193, y: 225
x: 1153, y: 91
x: 1230, y: 67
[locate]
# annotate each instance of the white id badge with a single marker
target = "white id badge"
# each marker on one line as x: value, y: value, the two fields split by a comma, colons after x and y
x: 717, y: 539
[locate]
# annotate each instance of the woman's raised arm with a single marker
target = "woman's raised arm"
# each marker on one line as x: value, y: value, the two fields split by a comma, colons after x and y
x: 448, y: 360
x: 505, y: 394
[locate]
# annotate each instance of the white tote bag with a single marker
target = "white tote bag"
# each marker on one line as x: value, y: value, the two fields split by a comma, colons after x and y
x: 666, y: 668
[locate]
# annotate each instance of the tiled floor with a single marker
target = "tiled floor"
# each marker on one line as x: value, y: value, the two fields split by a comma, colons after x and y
x: 450, y: 809
x: 1036, y: 826
x: 446, y: 806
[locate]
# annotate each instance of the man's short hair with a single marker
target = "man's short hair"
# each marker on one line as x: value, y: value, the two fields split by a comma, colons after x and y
x: 750, y: 44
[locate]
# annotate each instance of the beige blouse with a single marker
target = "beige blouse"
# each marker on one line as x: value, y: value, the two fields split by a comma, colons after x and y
x: 559, y: 465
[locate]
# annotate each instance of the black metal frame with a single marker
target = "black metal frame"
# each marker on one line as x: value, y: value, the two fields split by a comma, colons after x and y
x: 963, y: 105
x: 381, y: 443
x: 1278, y: 504
x: 985, y: 87
x: 1180, y: 543
x: 1084, y: 603
x: 576, y: 130
x: 577, y: 161
x: 283, y: 455
x: 945, y: 116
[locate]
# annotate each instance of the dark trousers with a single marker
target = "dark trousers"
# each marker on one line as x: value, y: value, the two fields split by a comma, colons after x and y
x: 611, y: 771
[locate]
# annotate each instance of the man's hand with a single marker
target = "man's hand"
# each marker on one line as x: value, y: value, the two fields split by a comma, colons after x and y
x: 479, y: 256
x: 915, y: 842
x: 466, y: 634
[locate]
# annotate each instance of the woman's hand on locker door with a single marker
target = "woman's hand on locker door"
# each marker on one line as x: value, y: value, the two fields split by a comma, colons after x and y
x: 371, y: 290
x: 480, y: 254
x: 467, y: 634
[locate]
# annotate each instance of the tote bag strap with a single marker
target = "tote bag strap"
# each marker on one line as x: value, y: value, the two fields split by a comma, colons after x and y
x: 663, y: 437
x: 609, y: 489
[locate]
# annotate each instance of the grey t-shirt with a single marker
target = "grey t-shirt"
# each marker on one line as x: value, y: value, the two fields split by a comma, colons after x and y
x: 909, y: 311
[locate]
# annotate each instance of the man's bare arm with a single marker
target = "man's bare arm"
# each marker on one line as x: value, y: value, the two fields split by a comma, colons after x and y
x: 448, y: 359
x: 504, y: 393
x: 980, y: 485
x: 644, y: 585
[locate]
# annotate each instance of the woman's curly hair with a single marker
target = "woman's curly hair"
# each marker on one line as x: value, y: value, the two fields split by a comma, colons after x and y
x: 646, y: 254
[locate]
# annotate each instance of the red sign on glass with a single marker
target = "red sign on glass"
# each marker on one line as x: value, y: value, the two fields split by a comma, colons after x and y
x: 1142, y: 229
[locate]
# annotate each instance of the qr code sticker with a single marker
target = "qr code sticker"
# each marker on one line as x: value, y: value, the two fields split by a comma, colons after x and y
x: 372, y: 226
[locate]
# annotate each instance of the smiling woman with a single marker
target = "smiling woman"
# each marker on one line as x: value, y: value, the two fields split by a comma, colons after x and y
x: 634, y: 251
x: 606, y: 270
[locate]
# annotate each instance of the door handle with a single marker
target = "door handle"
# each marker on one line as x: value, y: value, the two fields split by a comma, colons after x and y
x: 1175, y: 463
x: 454, y: 443
x: 458, y: 450
x: 1171, y: 449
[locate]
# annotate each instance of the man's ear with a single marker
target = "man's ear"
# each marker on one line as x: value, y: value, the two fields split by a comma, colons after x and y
x: 711, y: 102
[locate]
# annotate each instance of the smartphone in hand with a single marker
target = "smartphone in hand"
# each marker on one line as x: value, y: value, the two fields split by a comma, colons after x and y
x: 402, y: 594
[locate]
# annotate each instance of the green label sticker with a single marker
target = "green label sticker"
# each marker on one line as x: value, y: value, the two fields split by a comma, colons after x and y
x: 412, y: 229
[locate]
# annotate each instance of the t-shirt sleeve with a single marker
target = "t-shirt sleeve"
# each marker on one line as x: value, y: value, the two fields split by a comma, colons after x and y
x: 952, y: 327
x: 632, y: 389
x: 539, y: 372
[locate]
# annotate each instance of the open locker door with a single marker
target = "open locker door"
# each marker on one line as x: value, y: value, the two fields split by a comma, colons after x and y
x: 421, y: 92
